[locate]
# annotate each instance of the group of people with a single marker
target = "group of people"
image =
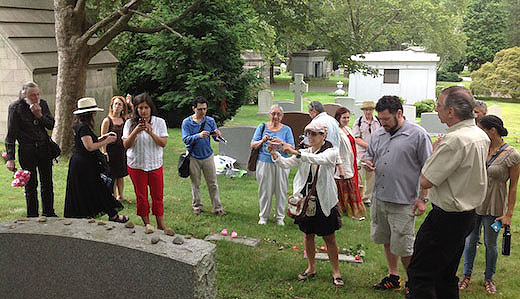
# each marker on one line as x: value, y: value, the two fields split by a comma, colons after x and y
x: 133, y: 138
x: 464, y: 174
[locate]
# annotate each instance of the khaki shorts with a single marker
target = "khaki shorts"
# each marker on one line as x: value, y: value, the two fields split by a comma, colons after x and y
x: 393, y: 224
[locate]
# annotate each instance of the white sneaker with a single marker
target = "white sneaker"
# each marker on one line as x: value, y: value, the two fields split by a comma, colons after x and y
x: 280, y: 222
x: 262, y: 221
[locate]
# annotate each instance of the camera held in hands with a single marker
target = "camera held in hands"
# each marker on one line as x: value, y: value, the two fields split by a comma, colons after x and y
x: 217, y: 138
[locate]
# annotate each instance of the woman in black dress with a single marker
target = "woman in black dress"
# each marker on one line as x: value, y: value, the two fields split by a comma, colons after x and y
x: 116, y: 152
x: 87, y: 195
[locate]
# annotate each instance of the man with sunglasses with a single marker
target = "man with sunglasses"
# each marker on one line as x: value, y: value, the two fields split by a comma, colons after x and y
x: 196, y: 130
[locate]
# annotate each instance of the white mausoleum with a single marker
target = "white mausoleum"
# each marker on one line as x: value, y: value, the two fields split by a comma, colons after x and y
x: 409, y: 74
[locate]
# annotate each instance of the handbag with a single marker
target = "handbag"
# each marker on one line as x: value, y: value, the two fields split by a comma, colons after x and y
x: 183, y: 165
x: 253, y: 156
x: 54, y: 149
x: 300, y: 208
x: 104, y: 171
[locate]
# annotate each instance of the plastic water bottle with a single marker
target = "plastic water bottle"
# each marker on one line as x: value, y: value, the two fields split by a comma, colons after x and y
x: 506, y: 241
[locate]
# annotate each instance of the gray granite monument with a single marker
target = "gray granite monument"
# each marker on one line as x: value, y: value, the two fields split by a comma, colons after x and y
x: 265, y: 101
x: 432, y: 124
x: 238, y: 143
x: 298, y: 87
x: 75, y: 258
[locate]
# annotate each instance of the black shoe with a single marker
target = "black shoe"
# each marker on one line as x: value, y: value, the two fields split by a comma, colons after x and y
x: 391, y: 282
x: 50, y: 215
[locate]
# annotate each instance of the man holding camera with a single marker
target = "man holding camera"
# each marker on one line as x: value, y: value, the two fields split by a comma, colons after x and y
x: 196, y: 130
x: 28, y: 120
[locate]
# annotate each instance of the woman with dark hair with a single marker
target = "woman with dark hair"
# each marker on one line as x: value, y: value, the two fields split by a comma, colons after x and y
x: 316, y: 165
x: 144, y: 136
x: 87, y: 194
x: 503, y: 165
x: 116, y: 152
x: 349, y: 196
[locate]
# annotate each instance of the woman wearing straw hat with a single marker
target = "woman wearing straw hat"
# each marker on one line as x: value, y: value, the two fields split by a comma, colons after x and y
x: 87, y: 195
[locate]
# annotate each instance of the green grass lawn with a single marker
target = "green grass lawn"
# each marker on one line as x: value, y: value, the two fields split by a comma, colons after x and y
x: 267, y: 272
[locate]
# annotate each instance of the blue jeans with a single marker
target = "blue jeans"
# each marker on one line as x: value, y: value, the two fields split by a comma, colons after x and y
x: 490, y: 241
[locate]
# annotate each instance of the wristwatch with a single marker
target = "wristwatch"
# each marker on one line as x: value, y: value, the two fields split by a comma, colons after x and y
x: 424, y: 199
x: 298, y: 155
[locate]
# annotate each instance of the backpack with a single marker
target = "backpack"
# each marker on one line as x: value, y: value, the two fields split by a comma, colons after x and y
x: 359, y: 124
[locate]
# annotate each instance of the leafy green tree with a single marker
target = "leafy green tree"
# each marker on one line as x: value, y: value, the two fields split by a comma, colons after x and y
x: 513, y: 22
x: 499, y: 78
x: 484, y: 25
x: 206, y: 63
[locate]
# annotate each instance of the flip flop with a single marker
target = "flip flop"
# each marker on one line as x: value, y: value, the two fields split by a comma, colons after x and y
x: 338, y: 281
x: 304, y: 276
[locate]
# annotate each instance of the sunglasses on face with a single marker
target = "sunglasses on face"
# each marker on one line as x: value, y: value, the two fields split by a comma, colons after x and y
x: 311, y: 133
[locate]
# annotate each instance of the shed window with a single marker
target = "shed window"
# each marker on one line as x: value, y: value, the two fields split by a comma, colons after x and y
x: 391, y: 76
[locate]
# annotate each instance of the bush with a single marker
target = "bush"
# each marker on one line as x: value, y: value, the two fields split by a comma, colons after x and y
x: 500, y: 78
x: 424, y: 106
x: 448, y: 76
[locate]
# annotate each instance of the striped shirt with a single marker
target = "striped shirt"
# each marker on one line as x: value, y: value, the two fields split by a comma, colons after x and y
x: 145, y: 154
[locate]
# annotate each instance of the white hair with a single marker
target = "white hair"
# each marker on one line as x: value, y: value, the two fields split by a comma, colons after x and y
x: 276, y: 106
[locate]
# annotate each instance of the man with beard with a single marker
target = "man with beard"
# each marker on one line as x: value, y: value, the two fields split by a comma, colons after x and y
x: 396, y: 153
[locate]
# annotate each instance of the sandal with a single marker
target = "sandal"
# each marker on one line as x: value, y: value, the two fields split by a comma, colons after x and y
x: 119, y: 218
x: 490, y: 287
x: 305, y: 275
x: 220, y: 213
x: 338, y: 281
x: 464, y: 283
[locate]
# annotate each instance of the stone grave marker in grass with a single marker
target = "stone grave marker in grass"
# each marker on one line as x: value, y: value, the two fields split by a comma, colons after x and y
x: 238, y: 143
x: 298, y: 87
x: 297, y: 122
x: 75, y: 258
x: 331, y: 108
x: 432, y: 124
x: 240, y: 240
x: 265, y: 101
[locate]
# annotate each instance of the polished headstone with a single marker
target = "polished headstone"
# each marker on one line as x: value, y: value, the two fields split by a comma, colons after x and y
x: 265, y: 101
x: 331, y: 108
x: 75, y: 258
x: 238, y: 143
x: 432, y: 124
x: 297, y: 122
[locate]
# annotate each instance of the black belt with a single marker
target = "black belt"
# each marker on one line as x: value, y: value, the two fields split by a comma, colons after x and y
x: 36, y: 144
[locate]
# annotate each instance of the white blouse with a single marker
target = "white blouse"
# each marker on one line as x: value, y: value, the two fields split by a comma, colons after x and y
x: 145, y: 154
x: 325, y: 186
x: 346, y: 154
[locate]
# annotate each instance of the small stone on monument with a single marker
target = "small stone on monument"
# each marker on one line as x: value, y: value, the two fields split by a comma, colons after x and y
x: 155, y: 239
x: 178, y: 240
x: 101, y: 222
x: 67, y: 222
x: 42, y: 219
x: 129, y: 224
x: 169, y: 232
x: 91, y: 221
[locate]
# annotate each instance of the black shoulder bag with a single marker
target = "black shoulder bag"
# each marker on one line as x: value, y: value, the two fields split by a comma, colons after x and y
x: 183, y: 165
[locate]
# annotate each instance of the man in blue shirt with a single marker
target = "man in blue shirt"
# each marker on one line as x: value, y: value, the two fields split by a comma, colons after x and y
x: 198, y: 142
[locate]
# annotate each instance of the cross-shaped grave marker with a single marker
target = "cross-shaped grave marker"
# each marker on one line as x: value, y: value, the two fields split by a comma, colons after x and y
x: 298, y: 87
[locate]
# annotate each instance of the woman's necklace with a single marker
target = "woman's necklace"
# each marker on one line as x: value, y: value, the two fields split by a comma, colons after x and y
x: 494, y: 149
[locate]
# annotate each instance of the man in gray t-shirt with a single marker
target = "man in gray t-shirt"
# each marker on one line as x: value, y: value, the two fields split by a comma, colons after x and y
x: 396, y: 153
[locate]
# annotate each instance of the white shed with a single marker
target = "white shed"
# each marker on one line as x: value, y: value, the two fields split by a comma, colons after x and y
x: 410, y: 74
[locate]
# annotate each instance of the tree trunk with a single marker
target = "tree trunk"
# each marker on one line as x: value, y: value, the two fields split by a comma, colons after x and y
x: 72, y: 71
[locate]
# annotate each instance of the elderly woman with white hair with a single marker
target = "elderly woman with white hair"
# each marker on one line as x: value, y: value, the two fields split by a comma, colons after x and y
x: 316, y: 163
x: 272, y: 179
